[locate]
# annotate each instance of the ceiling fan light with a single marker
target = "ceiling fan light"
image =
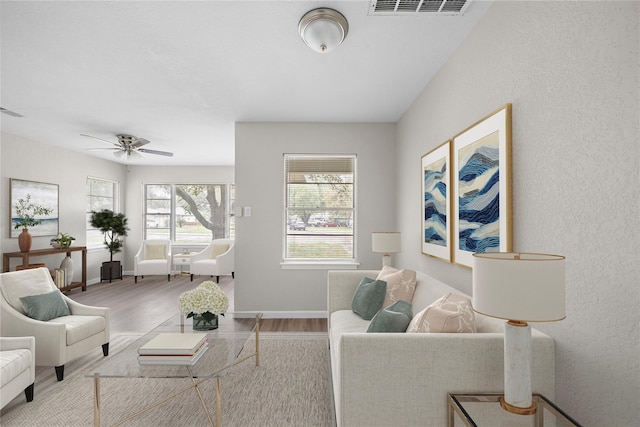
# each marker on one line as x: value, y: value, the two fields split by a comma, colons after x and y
x: 323, y: 29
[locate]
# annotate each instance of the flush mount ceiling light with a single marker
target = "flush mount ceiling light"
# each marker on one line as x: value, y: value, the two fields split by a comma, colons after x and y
x: 323, y: 29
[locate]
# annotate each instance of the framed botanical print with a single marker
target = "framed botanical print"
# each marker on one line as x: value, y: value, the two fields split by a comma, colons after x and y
x: 481, y: 187
x: 436, y: 202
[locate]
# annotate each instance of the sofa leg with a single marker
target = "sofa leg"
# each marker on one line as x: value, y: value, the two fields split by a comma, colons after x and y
x: 60, y: 372
x: 28, y: 393
x: 192, y: 277
x: 105, y: 349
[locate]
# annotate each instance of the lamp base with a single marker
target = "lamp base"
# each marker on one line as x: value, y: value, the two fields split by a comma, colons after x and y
x: 517, y: 410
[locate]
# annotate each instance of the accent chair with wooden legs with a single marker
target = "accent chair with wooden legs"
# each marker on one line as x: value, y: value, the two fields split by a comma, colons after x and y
x: 64, y: 330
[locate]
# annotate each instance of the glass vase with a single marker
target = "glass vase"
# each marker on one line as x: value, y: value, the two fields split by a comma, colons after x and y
x: 205, y: 321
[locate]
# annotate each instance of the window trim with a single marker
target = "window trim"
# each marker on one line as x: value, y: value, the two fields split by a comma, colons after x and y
x: 114, y: 208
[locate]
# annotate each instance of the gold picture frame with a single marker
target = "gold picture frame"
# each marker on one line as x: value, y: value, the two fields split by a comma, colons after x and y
x: 481, y: 187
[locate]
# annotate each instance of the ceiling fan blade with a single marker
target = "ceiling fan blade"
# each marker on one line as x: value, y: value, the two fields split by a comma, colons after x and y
x: 100, y: 139
x: 140, y: 142
x: 162, y: 153
x: 100, y: 148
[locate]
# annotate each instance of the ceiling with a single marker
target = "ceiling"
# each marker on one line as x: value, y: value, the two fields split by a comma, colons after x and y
x: 180, y: 74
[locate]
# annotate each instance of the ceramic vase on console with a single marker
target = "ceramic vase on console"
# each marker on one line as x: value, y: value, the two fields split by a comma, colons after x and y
x: 67, y: 266
x: 24, y: 240
x: 205, y: 321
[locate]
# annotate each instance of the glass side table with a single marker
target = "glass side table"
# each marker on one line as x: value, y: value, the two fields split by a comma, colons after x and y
x: 484, y: 410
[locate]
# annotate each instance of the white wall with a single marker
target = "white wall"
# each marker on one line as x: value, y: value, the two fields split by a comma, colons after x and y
x: 261, y: 283
x: 34, y: 161
x: 571, y: 71
x: 138, y: 176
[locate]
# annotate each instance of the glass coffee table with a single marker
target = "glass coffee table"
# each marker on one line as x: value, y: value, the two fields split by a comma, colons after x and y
x: 224, y: 347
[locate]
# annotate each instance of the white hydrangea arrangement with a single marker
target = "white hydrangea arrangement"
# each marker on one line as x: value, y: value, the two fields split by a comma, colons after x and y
x: 207, y: 299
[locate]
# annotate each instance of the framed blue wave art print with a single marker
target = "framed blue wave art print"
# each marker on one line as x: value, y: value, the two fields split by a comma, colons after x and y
x: 436, y: 202
x: 481, y: 187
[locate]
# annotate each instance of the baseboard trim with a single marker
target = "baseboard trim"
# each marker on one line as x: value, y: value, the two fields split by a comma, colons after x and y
x: 284, y: 314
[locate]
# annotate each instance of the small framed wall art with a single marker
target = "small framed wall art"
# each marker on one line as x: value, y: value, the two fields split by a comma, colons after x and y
x: 481, y: 187
x: 436, y: 202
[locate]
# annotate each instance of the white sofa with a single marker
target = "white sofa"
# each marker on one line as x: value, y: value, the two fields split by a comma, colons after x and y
x: 402, y: 379
x: 17, y: 368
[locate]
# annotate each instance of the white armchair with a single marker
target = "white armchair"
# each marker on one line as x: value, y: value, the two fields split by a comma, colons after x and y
x: 67, y: 329
x: 217, y: 259
x: 18, y: 364
x: 153, y: 258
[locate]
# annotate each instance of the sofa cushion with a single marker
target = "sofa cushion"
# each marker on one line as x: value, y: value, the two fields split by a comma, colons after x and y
x: 22, y: 283
x: 394, y: 318
x: 13, y: 363
x: 45, y: 306
x: 81, y: 327
x: 368, y: 297
x: 218, y: 249
x: 401, y: 284
x: 153, y: 251
x: 451, y: 313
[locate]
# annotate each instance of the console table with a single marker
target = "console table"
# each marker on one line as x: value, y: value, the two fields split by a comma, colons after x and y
x: 42, y: 252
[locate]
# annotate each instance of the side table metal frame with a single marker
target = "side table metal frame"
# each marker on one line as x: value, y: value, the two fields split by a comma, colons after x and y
x: 455, y: 406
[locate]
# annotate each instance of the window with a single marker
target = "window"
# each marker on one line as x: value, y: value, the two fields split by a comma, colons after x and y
x: 189, y: 213
x: 101, y: 194
x: 319, y: 207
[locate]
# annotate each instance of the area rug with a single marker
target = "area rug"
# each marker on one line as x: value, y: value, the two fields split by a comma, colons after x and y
x: 291, y: 387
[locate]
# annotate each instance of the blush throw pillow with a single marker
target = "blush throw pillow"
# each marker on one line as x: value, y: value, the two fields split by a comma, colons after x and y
x: 368, y: 297
x: 394, y: 318
x: 401, y: 284
x: 451, y: 313
x: 45, y: 306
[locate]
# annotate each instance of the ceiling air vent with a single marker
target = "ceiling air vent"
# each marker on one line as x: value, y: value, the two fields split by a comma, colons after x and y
x: 418, y: 7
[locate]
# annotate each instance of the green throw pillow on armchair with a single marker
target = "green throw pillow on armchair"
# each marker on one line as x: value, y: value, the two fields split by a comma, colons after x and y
x: 45, y: 306
x: 394, y: 318
x: 368, y: 297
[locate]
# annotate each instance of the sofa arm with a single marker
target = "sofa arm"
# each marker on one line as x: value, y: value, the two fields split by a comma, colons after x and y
x: 341, y: 284
x: 412, y: 373
x: 18, y: 343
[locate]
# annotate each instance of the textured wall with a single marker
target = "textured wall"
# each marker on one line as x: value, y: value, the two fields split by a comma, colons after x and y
x: 571, y: 71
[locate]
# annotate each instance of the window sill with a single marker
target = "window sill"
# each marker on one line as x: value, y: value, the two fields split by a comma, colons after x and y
x: 319, y: 265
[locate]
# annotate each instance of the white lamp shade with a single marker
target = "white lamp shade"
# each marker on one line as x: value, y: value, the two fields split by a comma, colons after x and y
x: 519, y: 286
x: 386, y: 242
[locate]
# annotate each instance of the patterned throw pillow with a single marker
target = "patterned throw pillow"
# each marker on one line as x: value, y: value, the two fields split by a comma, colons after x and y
x: 401, y: 284
x: 451, y: 313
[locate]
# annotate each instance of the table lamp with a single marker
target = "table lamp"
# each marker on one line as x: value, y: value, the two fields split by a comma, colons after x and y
x: 521, y: 288
x: 386, y: 243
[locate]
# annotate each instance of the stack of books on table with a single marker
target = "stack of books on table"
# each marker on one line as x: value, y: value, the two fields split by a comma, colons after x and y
x: 173, y: 349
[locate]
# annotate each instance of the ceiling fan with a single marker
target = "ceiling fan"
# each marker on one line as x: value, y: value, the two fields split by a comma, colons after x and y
x: 128, y: 146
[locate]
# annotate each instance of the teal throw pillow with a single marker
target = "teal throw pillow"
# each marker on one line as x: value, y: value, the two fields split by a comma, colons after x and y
x: 394, y: 318
x: 368, y: 297
x: 45, y: 306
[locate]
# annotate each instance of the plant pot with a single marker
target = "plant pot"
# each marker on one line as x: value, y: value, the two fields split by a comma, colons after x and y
x: 24, y: 240
x: 110, y: 270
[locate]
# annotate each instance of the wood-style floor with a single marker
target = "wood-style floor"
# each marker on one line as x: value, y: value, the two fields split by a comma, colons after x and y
x: 139, y: 307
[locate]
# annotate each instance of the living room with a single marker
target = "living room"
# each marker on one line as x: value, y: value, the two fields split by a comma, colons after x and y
x: 570, y: 71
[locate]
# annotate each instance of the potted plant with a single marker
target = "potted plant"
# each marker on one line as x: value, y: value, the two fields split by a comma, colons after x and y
x: 62, y: 240
x: 26, y: 216
x: 114, y: 226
